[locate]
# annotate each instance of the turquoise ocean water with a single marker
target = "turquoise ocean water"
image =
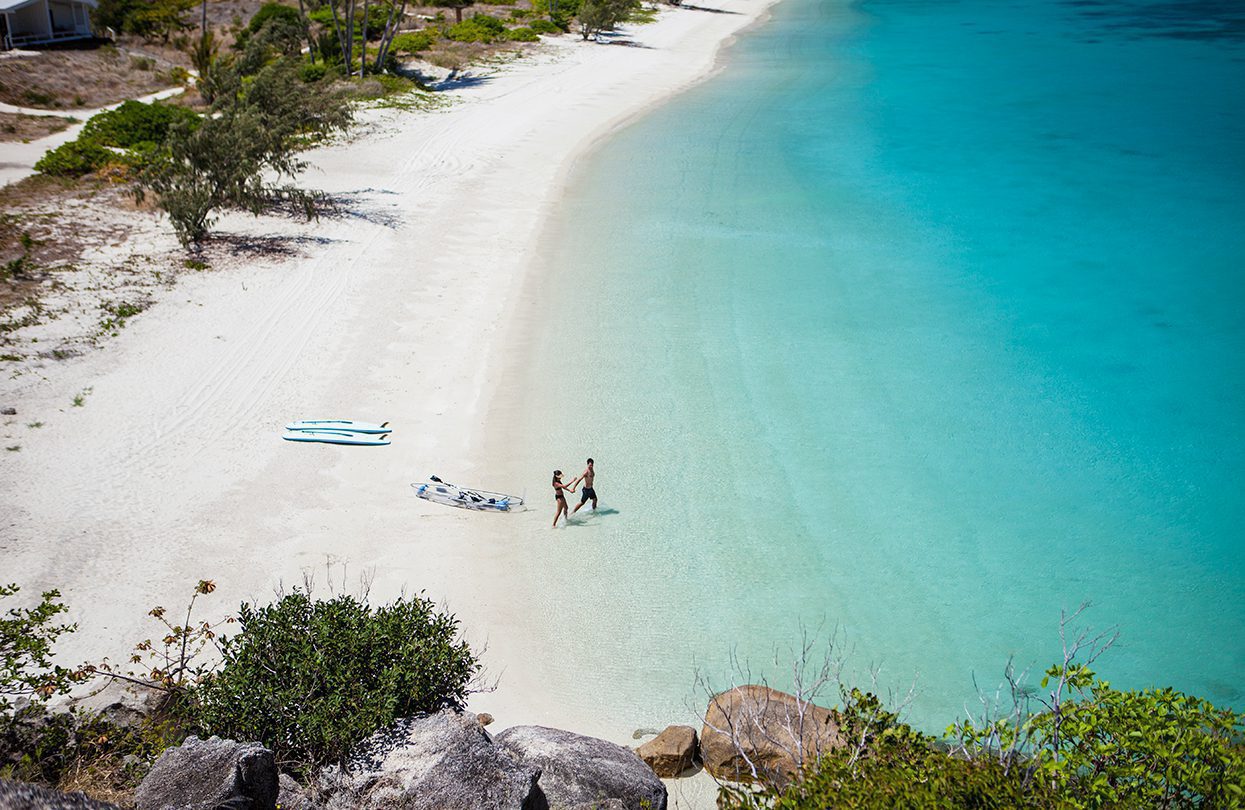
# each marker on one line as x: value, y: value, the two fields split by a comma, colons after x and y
x: 923, y: 321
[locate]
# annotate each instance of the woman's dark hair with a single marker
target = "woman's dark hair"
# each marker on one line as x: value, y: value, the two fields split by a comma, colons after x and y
x: 556, y: 475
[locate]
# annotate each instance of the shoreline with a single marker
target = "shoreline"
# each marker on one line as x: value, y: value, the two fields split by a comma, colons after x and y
x: 403, y: 308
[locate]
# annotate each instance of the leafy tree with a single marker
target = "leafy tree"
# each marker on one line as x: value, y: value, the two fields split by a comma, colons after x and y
x: 26, y: 639
x: 252, y: 136
x: 596, y: 16
x: 313, y: 678
x: 147, y: 18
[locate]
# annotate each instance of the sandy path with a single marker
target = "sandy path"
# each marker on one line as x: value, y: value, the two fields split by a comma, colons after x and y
x: 174, y: 470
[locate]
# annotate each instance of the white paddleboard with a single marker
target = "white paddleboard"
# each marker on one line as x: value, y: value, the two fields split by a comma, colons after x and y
x: 451, y: 495
x: 336, y: 437
x: 349, y: 425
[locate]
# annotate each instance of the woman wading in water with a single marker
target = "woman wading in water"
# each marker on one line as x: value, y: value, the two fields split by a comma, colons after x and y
x: 559, y: 497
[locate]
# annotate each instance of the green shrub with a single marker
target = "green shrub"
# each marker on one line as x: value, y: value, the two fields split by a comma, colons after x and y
x: 480, y: 28
x: 414, y: 41
x: 1110, y: 748
x: 313, y: 73
x: 313, y: 678
x: 520, y: 14
x: 135, y: 123
x: 75, y: 159
x: 522, y: 35
x: 271, y: 11
x: 543, y: 26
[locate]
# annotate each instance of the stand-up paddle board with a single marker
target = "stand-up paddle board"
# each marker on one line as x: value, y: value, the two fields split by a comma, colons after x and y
x: 336, y: 437
x: 348, y: 425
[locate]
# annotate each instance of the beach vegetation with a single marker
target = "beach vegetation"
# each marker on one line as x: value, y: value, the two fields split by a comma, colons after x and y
x: 79, y: 399
x: 76, y: 158
x: 313, y: 678
x: 558, y: 12
x: 27, y: 635
x: 145, y: 18
x: 457, y: 5
x: 1071, y: 741
x: 125, y: 136
x: 478, y: 28
x: 598, y: 16
x: 414, y: 41
x: 522, y: 35
x: 238, y: 156
x: 542, y: 26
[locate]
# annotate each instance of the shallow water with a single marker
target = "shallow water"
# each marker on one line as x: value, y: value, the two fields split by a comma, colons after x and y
x: 922, y: 321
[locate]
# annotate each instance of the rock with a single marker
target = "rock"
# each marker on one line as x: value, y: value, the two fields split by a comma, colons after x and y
x: 293, y: 796
x: 583, y: 771
x: 484, y: 718
x: 442, y: 761
x: 607, y: 804
x: 8, y: 411
x: 122, y: 704
x: 211, y: 774
x: 21, y: 796
x: 671, y: 752
x: 767, y: 725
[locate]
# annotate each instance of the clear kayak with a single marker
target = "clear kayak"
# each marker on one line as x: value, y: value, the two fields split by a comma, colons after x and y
x: 439, y: 491
x: 348, y: 425
x: 336, y: 437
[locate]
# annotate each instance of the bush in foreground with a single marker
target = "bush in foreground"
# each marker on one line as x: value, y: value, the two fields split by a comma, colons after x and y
x: 310, y: 679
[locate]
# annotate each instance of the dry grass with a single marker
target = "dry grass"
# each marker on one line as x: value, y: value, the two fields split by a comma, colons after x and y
x: 90, y: 76
x: 36, y: 215
x: 14, y: 127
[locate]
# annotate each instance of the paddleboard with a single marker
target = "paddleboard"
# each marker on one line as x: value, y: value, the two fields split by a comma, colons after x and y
x: 339, y: 424
x: 477, y: 499
x: 336, y: 437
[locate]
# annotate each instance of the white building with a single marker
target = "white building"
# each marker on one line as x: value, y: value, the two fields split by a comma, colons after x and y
x: 38, y: 22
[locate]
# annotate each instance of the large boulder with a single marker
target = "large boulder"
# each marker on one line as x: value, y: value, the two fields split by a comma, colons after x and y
x: 212, y: 774
x: 757, y: 727
x: 442, y: 761
x: 671, y: 752
x: 21, y: 796
x: 577, y: 770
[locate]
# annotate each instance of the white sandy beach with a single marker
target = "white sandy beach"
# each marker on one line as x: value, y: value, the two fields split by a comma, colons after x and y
x: 173, y: 468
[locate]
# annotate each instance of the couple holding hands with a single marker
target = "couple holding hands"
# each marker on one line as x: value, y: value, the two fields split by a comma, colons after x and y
x: 560, y: 490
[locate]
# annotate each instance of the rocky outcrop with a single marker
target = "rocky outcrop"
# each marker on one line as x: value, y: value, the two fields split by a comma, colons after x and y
x: 755, y: 726
x: 671, y: 752
x: 21, y: 796
x: 443, y: 761
x: 293, y: 796
x: 210, y: 775
x: 583, y: 771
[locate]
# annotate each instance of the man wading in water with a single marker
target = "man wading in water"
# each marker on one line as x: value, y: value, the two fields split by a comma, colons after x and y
x: 589, y: 493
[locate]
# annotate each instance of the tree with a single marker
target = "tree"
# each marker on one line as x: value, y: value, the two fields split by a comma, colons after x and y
x: 457, y: 5
x: 596, y: 16
x: 251, y: 136
x: 311, y: 679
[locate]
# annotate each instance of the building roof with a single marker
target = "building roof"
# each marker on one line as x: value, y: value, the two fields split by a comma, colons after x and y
x: 14, y: 5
